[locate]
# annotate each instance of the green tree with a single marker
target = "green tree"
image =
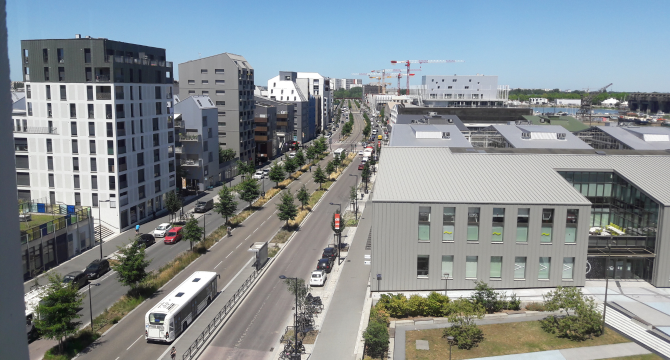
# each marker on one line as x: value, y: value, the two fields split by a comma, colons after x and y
x: 342, y: 223
x: 290, y: 165
x: 286, y: 209
x: 330, y: 167
x: 352, y: 194
x: 337, y: 161
x: 249, y: 190
x: 277, y: 173
x: 172, y: 203
x: 226, y: 155
x: 320, y: 145
x: 464, y: 330
x: 58, y: 310
x: 227, y: 205
x: 491, y: 300
x: 376, y: 337
x: 247, y: 168
x: 311, y: 153
x: 366, y: 131
x: 299, y: 157
x: 132, y: 265
x: 319, y: 176
x: 303, y: 196
x: 586, y: 321
x: 365, y: 174
x: 192, y: 231
x: 301, y: 289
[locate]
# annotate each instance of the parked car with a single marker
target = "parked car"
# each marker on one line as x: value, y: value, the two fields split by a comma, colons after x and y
x: 318, y: 278
x: 361, y: 166
x: 258, y: 175
x: 329, y: 252
x: 97, y: 268
x: 174, y: 235
x: 146, y: 240
x: 203, y: 206
x: 266, y: 171
x: 360, y: 153
x: 162, y: 229
x: 291, y: 155
x: 325, y: 264
x: 78, y: 278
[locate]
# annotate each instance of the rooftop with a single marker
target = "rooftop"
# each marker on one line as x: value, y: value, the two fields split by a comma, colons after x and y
x: 640, y: 138
x: 540, y: 136
x: 568, y: 122
x: 424, y: 135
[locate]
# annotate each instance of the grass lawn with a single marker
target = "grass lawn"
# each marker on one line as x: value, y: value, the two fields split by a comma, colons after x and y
x: 37, y: 220
x: 638, y: 357
x: 500, y: 339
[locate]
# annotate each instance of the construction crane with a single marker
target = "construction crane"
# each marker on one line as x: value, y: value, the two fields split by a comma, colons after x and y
x: 587, y: 102
x: 400, y: 76
x: 408, y: 62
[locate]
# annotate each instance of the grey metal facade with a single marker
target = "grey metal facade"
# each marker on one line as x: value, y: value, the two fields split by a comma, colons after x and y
x: 229, y: 80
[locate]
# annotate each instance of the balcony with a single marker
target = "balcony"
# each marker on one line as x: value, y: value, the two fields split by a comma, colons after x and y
x: 262, y: 128
x: 178, y: 150
x: 123, y: 167
x: 102, y: 78
x: 37, y: 130
x: 189, y: 162
x: 122, y: 150
x: 283, y: 115
x: 179, y: 123
x: 189, y: 136
x: 282, y: 123
x: 258, y: 120
x: 261, y: 138
x: 123, y: 184
x: 103, y: 96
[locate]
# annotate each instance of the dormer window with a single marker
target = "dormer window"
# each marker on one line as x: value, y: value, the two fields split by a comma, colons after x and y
x: 525, y: 135
x: 446, y: 135
x: 560, y: 136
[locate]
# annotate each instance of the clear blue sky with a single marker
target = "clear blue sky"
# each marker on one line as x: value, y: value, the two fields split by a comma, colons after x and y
x: 569, y: 44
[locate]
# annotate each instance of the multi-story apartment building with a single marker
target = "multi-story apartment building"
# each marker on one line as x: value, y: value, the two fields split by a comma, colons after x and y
x: 319, y: 87
x: 283, y: 126
x: 96, y: 119
x: 285, y: 88
x: 228, y: 79
x: 197, y: 142
x: 463, y: 90
x: 267, y: 141
x: 337, y: 84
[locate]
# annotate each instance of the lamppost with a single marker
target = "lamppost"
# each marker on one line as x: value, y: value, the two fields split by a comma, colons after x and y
x: 379, y: 279
x: 295, y: 319
x: 100, y: 226
x: 339, y: 233
x: 445, y: 277
x: 356, y: 197
x: 204, y: 221
x: 607, y: 282
x: 90, y: 301
x: 450, y: 339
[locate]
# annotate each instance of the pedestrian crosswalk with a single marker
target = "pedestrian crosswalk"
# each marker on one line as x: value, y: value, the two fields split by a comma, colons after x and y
x: 626, y: 326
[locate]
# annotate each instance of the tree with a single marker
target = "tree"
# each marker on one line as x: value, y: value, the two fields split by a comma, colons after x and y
x: 300, y: 158
x: 192, y: 231
x: 172, y: 203
x: 226, y: 155
x: 245, y: 168
x: 249, y: 190
x: 490, y: 299
x: 58, y: 310
x: 337, y: 161
x: 227, y: 205
x: 353, y: 194
x: 319, y: 176
x: 365, y: 174
x: 584, y: 324
x: 342, y: 224
x: 286, y: 209
x: 277, y: 173
x: 301, y: 289
x: 320, y: 145
x: 311, y: 153
x: 366, y: 131
x: 376, y: 340
x: 303, y: 196
x: 290, y: 165
x: 132, y: 264
x: 330, y: 167
x: 464, y: 330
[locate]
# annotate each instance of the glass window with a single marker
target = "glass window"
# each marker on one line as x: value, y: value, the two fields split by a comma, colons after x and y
x: 448, y: 266
x: 422, y: 266
x: 471, y: 267
x: 522, y: 225
x: 496, y: 267
x: 448, y: 220
x: 498, y: 225
x: 424, y: 223
x: 571, y: 226
x: 547, y: 225
x: 568, y: 268
x: 473, y: 224
x: 519, y: 268
x: 545, y: 268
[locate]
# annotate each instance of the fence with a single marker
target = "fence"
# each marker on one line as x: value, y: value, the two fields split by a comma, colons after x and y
x: 209, y: 330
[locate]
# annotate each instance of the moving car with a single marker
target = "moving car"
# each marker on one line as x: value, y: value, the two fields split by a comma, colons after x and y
x: 174, y: 235
x: 291, y: 155
x: 318, y: 278
x: 258, y: 175
x: 360, y: 153
x: 325, y: 264
x: 162, y: 229
x: 97, y: 268
x: 361, y: 166
x: 204, y: 206
x: 146, y: 240
x: 78, y: 278
x: 329, y: 252
x: 266, y: 171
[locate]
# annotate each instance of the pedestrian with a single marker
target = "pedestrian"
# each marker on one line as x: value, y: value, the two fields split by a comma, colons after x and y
x: 137, y: 229
x: 173, y: 353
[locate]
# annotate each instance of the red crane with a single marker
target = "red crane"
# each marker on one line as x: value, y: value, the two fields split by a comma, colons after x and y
x: 399, y: 76
x: 408, y: 62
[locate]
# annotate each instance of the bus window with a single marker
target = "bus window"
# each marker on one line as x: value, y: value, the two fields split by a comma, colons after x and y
x: 156, y: 318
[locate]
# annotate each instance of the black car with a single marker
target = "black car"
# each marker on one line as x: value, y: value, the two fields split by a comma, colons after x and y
x: 146, y: 240
x: 325, y: 264
x: 97, y: 268
x: 329, y: 253
x: 78, y: 278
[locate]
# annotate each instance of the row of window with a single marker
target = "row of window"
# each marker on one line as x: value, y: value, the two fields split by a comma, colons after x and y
x: 498, y: 224
x: 102, y: 92
x: 103, y: 75
x: 120, y: 110
x: 495, y: 269
x: 453, y: 80
x: 206, y: 82
x: 60, y: 53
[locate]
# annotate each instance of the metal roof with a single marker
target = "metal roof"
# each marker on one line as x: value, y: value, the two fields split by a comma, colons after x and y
x: 432, y: 120
x: 435, y: 174
x: 541, y: 136
x: 420, y: 135
x: 640, y: 138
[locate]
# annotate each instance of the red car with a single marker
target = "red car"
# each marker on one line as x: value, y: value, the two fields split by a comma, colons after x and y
x: 175, y: 234
x: 361, y: 166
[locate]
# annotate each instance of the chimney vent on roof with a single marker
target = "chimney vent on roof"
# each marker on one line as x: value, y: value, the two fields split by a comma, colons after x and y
x: 77, y: 36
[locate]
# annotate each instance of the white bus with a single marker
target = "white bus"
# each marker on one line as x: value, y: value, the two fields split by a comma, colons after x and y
x: 339, y: 152
x: 172, y: 315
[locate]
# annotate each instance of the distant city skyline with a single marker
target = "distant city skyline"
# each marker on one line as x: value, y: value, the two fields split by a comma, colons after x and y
x: 576, y: 45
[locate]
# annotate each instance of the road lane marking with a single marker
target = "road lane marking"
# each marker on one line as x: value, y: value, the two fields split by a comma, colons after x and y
x: 238, y: 245
x: 254, y: 230
x: 231, y: 253
x: 138, y: 339
x: 218, y: 264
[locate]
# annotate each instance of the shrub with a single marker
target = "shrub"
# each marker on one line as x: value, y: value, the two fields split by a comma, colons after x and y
x: 487, y: 297
x: 584, y: 324
x: 514, y: 302
x: 535, y: 306
x: 376, y: 339
x: 464, y: 330
x: 395, y: 305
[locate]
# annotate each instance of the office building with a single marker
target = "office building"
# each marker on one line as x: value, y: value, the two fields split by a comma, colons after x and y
x: 463, y: 90
x: 228, y: 79
x: 97, y: 117
x: 346, y: 84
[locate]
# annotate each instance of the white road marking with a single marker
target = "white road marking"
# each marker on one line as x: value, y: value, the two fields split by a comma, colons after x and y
x: 238, y: 245
x: 231, y: 253
x: 131, y: 345
x: 254, y: 230
x: 218, y: 264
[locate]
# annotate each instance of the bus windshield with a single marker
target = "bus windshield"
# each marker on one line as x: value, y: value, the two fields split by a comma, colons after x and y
x: 156, y: 318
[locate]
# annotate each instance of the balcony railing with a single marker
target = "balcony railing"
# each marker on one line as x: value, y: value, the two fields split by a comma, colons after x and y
x: 122, y: 150
x: 120, y: 132
x: 189, y: 162
x: 37, y: 130
x: 123, y: 167
x: 189, y: 136
x: 103, y: 96
x: 123, y: 184
x: 179, y: 123
x: 102, y: 78
x: 178, y: 150
x: 261, y: 138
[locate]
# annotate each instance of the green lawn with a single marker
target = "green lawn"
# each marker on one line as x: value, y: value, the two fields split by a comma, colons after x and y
x: 501, y: 339
x: 37, y: 220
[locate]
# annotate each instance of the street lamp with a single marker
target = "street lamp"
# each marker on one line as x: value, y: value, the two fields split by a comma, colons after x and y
x: 295, y: 319
x: 100, y: 225
x: 450, y: 339
x: 204, y: 231
x: 607, y: 282
x: 90, y: 301
x: 339, y: 233
x: 445, y: 277
x: 356, y: 197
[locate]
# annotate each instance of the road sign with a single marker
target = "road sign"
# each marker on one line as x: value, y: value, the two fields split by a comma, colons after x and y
x: 379, y: 144
x: 337, y: 221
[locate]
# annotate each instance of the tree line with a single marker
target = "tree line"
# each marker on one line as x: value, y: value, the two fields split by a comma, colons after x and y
x: 551, y: 96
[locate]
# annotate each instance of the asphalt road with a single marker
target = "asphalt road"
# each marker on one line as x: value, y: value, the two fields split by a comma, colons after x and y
x: 226, y: 258
x: 254, y: 329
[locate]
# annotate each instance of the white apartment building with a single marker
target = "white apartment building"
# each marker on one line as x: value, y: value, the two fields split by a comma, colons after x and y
x: 538, y: 101
x: 319, y: 87
x: 463, y: 90
x: 97, y: 127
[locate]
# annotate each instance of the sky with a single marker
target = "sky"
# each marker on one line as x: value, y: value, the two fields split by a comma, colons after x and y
x: 568, y: 44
